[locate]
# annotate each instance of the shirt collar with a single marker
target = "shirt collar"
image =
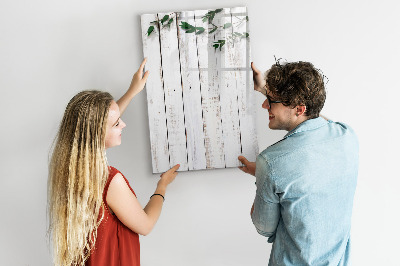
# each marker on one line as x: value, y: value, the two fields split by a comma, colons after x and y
x: 307, y: 125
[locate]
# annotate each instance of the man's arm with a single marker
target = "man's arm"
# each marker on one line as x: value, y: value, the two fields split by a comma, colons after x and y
x: 265, y: 217
x: 258, y: 80
x: 265, y: 212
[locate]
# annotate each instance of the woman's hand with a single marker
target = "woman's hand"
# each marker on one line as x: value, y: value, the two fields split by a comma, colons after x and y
x: 249, y: 167
x: 168, y: 176
x: 137, y: 85
x: 259, y: 82
x: 138, y: 79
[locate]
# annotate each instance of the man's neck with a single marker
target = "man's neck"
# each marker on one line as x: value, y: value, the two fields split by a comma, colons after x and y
x: 298, y: 121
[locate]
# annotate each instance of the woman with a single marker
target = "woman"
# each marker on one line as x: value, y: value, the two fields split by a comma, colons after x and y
x: 95, y: 217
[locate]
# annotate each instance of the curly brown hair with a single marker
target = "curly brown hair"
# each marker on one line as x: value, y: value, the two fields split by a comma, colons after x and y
x: 298, y: 83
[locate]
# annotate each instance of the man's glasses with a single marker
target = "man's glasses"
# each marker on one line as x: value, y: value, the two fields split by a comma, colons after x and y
x: 270, y: 101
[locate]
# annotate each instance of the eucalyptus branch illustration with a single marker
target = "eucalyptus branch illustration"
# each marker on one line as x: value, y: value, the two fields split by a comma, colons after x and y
x: 166, y: 18
x: 209, y: 16
x: 190, y: 29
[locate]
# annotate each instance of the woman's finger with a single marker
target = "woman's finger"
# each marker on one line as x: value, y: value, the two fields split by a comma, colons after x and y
x: 146, y: 75
x: 173, y: 169
x: 142, y: 65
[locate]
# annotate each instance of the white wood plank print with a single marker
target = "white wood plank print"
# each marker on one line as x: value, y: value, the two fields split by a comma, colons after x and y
x: 199, y: 92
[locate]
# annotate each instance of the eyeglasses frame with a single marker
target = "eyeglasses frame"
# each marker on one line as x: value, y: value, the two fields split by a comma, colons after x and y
x: 270, y: 101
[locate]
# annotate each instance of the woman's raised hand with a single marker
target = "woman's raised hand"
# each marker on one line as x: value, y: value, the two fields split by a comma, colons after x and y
x: 137, y: 85
x: 138, y: 79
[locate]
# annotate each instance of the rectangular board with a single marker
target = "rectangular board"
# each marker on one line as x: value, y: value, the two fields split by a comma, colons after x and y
x: 199, y: 93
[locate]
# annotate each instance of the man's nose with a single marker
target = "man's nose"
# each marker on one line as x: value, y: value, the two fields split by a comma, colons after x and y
x: 265, y: 104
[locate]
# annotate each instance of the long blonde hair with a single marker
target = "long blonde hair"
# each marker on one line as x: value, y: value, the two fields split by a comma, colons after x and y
x: 78, y: 171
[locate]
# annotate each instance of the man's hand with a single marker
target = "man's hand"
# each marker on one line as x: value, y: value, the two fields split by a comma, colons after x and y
x: 259, y: 82
x: 249, y: 167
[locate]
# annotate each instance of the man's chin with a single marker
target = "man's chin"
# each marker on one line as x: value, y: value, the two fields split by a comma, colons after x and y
x: 271, y: 125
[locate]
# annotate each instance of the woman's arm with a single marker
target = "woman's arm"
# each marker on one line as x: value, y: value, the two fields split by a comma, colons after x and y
x: 125, y: 205
x: 137, y: 85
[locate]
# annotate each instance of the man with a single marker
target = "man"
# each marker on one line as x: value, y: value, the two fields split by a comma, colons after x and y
x: 306, y: 181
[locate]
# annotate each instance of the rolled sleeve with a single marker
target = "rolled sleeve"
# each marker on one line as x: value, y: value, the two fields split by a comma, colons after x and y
x: 266, y: 212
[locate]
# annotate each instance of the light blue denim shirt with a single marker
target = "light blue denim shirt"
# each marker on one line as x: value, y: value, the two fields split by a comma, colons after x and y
x: 305, y: 189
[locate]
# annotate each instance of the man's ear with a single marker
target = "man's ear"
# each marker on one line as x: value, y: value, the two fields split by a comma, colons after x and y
x: 300, y: 110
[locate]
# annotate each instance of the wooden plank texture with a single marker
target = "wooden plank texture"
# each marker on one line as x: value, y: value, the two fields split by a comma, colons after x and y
x: 209, y: 79
x: 191, y: 93
x: 229, y: 94
x: 245, y: 87
x: 155, y: 97
x: 173, y: 93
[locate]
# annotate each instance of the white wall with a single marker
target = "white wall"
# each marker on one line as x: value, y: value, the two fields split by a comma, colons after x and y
x: 49, y: 50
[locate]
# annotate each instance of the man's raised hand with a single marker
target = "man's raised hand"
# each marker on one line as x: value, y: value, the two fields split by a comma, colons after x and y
x: 259, y: 82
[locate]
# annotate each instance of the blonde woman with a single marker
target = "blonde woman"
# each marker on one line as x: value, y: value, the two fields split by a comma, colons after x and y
x: 95, y: 217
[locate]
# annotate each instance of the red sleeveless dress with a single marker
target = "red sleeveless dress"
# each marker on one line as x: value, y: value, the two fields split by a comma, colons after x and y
x: 116, y: 244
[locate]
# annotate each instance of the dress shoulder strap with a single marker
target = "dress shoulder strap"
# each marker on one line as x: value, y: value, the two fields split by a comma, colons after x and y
x: 112, y: 173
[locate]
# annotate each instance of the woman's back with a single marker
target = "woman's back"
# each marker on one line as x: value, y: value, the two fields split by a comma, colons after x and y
x: 116, y: 244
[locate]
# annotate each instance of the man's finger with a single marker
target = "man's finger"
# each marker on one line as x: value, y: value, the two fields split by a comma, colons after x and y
x: 244, y: 169
x: 253, y: 67
x: 243, y: 160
